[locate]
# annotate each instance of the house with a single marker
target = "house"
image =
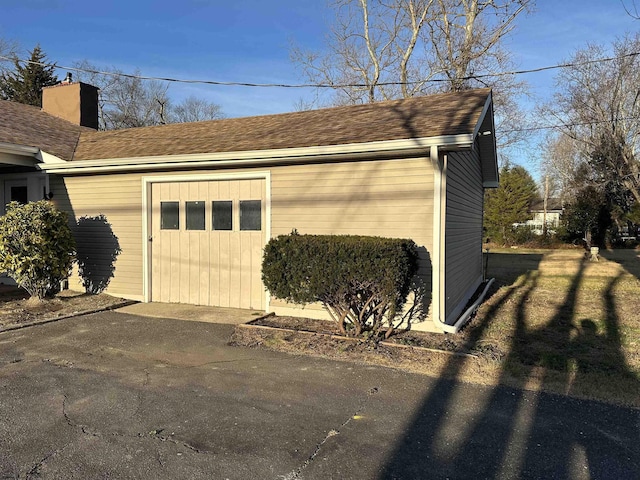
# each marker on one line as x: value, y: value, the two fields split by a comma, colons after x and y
x: 551, y: 216
x: 181, y: 212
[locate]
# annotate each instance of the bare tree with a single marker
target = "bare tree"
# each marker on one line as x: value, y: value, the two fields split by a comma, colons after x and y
x: 387, y: 49
x: 559, y: 161
x: 127, y: 101
x: 632, y: 10
x: 194, y: 109
x: 598, y: 105
x: 8, y: 52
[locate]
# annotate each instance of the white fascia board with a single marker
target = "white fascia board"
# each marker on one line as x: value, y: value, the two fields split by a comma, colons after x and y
x: 47, y: 158
x: 17, y: 160
x: 15, y: 149
x: 249, y: 158
x: 485, y: 109
x: 18, y: 155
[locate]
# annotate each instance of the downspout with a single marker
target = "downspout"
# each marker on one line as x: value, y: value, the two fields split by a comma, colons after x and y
x: 455, y: 328
x: 437, y: 254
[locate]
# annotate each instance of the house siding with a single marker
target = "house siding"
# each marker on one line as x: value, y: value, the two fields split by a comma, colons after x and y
x: 390, y: 198
x: 463, y: 231
x: 119, y: 199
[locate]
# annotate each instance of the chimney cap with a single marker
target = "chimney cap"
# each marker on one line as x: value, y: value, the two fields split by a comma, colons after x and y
x: 68, y: 79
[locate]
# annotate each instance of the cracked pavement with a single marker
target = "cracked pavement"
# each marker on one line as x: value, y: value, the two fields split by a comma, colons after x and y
x: 113, y: 395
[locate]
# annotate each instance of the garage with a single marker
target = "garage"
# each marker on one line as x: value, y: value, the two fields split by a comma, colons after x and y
x: 206, y: 240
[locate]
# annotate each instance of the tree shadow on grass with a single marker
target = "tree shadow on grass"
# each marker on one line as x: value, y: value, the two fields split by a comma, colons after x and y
x: 628, y: 258
x: 499, y: 432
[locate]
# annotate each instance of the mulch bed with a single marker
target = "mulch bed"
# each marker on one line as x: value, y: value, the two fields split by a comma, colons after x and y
x: 412, y: 351
x: 17, y: 309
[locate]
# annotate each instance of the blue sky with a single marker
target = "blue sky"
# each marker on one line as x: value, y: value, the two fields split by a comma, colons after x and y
x: 248, y: 40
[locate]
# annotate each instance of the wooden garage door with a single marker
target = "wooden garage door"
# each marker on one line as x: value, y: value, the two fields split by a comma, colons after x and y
x: 206, y: 244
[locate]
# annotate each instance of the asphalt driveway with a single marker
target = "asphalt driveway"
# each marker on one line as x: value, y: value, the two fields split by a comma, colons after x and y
x: 114, y: 395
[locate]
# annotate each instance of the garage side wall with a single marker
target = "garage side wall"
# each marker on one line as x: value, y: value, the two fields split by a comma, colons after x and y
x: 463, y: 231
x: 390, y: 198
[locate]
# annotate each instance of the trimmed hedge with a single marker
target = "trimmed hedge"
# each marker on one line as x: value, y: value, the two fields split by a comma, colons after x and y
x: 362, y: 281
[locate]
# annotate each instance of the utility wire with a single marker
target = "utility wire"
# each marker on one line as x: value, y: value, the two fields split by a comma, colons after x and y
x: 567, y: 125
x: 317, y: 85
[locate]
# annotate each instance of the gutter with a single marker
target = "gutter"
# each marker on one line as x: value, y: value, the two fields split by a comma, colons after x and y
x: 14, y: 149
x: 390, y: 148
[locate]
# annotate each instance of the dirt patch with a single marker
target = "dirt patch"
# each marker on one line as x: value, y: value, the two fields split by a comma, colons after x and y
x: 16, y: 308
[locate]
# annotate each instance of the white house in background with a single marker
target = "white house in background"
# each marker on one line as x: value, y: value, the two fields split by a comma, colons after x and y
x: 554, y: 210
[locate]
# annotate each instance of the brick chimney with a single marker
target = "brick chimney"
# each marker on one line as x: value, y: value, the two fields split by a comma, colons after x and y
x: 75, y: 102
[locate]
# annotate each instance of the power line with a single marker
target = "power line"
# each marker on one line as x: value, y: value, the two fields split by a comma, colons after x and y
x: 317, y: 85
x: 567, y: 125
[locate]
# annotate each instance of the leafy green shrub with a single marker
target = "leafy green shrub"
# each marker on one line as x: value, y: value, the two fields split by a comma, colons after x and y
x: 36, y: 246
x: 363, y: 282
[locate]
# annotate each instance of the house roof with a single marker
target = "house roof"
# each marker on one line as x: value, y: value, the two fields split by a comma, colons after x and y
x: 552, y: 204
x: 419, y: 117
x: 443, y: 116
x: 29, y: 126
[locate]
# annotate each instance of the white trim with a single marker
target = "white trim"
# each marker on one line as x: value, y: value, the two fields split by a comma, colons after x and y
x: 45, y: 157
x: 485, y: 109
x: 146, y: 218
x: 436, y: 267
x: 252, y: 157
x: 17, y: 160
x: 16, y: 149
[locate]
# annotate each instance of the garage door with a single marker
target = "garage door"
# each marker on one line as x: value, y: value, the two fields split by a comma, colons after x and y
x: 206, y: 242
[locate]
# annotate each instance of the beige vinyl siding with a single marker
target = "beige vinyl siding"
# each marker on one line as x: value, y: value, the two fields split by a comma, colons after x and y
x: 463, y: 231
x: 119, y: 199
x: 390, y: 198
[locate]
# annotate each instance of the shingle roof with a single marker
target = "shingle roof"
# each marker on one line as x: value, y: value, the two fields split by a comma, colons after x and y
x: 552, y: 204
x: 26, y: 125
x: 419, y: 117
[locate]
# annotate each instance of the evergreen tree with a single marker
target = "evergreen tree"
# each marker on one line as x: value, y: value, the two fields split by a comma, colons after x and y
x: 509, y: 203
x: 24, y: 84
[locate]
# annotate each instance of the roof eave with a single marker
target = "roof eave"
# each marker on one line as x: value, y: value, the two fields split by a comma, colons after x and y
x: 485, y: 133
x: 18, y: 155
x: 354, y: 151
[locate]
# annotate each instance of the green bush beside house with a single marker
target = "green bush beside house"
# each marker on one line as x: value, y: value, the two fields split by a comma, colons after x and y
x: 363, y: 282
x: 37, y: 248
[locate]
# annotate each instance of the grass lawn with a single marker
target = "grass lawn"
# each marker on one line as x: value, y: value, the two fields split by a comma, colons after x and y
x: 564, y: 324
x: 553, y: 321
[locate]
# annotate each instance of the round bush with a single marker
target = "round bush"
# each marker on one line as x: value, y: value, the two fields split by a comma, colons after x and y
x: 36, y: 246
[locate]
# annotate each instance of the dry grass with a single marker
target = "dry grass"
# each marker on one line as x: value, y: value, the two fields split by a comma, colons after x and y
x: 568, y: 325
x: 552, y: 322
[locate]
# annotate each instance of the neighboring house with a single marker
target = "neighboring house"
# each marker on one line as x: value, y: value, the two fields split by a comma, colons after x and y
x: 553, y: 213
x: 181, y: 212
